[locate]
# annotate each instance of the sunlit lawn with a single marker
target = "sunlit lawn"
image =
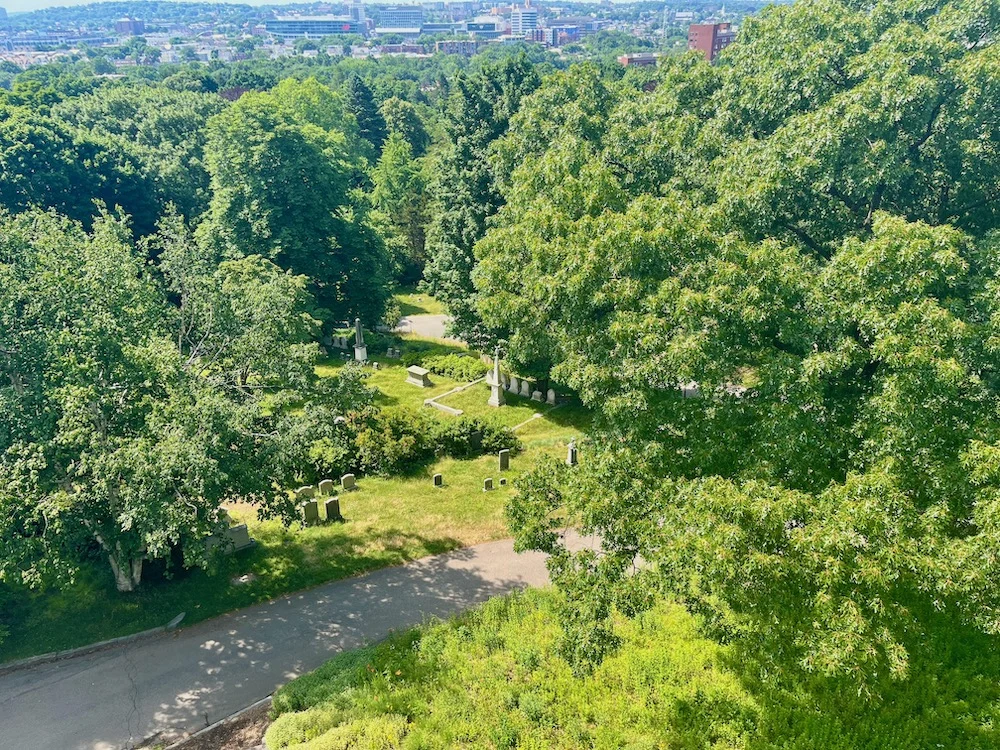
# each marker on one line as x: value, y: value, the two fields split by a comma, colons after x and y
x: 388, y: 522
x: 412, y: 302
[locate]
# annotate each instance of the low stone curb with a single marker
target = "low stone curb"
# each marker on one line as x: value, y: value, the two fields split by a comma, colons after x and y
x: 433, y: 402
x: 34, y: 661
x: 179, y: 745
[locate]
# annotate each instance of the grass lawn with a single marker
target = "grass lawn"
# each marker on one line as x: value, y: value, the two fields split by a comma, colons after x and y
x: 389, y: 521
x: 412, y: 302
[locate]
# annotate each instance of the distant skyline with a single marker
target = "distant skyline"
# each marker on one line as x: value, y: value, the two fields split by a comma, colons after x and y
x: 22, y: 6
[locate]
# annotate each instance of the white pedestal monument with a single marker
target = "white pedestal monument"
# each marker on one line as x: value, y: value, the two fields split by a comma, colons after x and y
x: 360, y: 350
x: 495, y: 383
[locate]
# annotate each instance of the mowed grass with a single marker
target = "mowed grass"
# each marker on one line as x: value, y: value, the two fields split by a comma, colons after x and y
x: 389, y: 521
x: 412, y: 302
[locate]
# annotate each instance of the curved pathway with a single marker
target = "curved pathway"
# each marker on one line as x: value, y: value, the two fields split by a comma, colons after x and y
x: 181, y: 681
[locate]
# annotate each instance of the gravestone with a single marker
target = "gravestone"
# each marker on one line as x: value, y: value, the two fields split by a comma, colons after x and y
x: 525, y: 389
x: 514, y: 385
x: 326, y: 487
x: 360, y: 350
x: 239, y: 537
x: 495, y: 383
x: 503, y: 481
x: 571, y: 453
x: 504, y: 459
x: 550, y: 397
x: 310, y: 512
x: 331, y: 509
x: 438, y: 480
x: 348, y: 482
x: 537, y: 396
x: 487, y: 485
x: 304, y: 493
x: 375, y: 365
x: 419, y: 376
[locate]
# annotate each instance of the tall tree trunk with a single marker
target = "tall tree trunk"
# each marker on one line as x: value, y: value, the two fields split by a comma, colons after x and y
x: 128, y: 572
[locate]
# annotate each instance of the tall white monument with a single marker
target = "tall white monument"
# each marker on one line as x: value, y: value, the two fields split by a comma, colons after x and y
x: 360, y: 350
x: 494, y: 382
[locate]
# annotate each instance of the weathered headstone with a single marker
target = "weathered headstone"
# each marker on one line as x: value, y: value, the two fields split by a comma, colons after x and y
x: 495, y: 383
x: 504, y: 456
x: 419, y: 376
x: 360, y: 350
x: 438, y: 480
x: 326, y: 487
x: 503, y: 481
x: 525, y: 389
x: 239, y: 537
x: 487, y: 485
x: 310, y: 512
x: 348, y: 482
x: 304, y: 493
x: 537, y: 396
x: 331, y: 509
x: 375, y: 365
x: 550, y: 397
x: 571, y: 453
x: 514, y: 386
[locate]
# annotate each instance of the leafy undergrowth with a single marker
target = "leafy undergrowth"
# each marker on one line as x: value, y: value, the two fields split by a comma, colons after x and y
x: 492, y: 678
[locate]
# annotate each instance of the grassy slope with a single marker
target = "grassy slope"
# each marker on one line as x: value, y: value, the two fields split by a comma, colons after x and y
x: 390, y: 521
x: 493, y: 678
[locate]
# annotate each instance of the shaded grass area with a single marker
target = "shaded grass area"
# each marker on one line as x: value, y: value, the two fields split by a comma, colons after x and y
x: 412, y: 302
x: 493, y: 678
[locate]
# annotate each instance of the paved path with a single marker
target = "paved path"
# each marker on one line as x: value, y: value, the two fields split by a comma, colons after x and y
x: 181, y: 681
x: 428, y: 326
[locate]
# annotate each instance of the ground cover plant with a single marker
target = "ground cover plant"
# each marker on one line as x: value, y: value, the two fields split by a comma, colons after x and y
x: 496, y: 678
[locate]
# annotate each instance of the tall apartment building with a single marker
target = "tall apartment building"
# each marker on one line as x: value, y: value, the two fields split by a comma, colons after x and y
x: 523, y: 19
x: 710, y: 38
x: 130, y: 26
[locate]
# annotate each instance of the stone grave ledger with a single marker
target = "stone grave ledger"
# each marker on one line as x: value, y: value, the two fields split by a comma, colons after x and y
x: 331, y: 509
x: 418, y: 376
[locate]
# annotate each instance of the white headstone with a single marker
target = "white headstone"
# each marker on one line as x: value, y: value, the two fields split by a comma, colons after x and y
x: 348, y: 482
x: 550, y: 397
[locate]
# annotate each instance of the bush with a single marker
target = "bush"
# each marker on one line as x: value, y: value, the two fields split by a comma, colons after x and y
x: 467, y: 437
x: 457, y: 366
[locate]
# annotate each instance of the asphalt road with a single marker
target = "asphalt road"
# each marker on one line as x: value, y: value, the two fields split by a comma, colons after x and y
x: 182, y: 681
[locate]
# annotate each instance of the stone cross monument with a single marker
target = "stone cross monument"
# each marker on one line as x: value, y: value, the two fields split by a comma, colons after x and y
x: 495, y: 383
x: 360, y: 350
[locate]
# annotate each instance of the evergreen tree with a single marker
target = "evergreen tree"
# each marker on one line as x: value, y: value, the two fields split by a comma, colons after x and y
x: 361, y: 103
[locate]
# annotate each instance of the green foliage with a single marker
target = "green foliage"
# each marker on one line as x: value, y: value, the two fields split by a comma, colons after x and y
x: 804, y: 230
x: 400, y: 207
x: 461, y: 367
x: 281, y: 166
x: 361, y: 104
x: 401, y: 118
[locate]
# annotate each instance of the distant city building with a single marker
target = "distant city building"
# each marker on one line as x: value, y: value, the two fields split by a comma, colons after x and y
x: 312, y: 26
x: 3, y: 14
x: 710, y: 38
x: 523, y: 19
x: 684, y: 16
x: 557, y: 36
x: 400, y: 19
x: 130, y: 26
x: 467, y: 47
x: 438, y: 28
x: 483, y: 29
x: 640, y: 59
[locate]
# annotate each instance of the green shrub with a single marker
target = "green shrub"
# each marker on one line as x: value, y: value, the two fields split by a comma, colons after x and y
x: 466, y: 437
x: 462, y: 367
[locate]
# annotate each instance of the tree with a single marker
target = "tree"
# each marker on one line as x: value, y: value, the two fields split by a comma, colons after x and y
x: 400, y: 203
x: 829, y: 498
x: 362, y: 105
x: 281, y: 166
x: 480, y: 108
x: 115, y: 432
x: 401, y: 117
